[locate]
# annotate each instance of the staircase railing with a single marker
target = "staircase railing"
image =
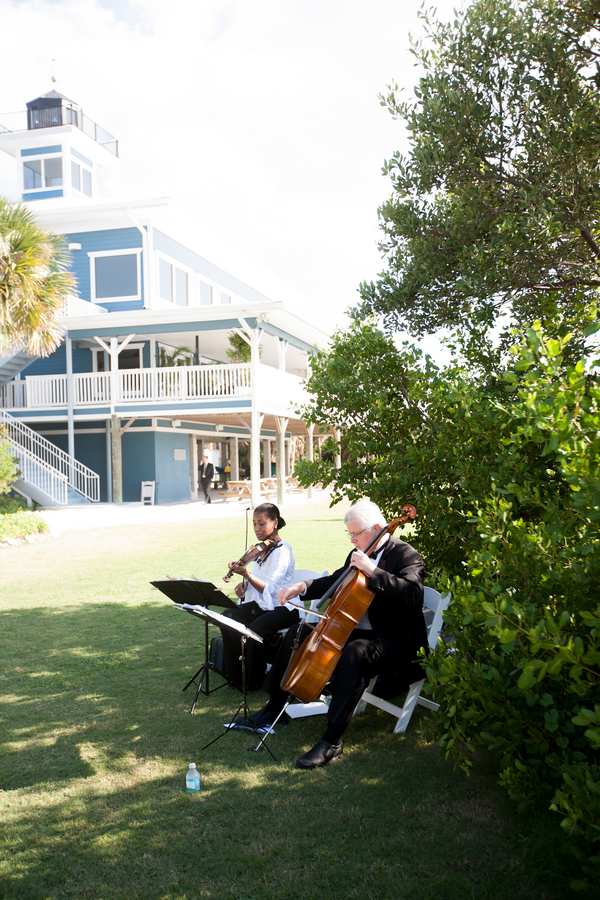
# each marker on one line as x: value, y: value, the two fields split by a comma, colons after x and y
x: 27, y: 443
x: 40, y: 475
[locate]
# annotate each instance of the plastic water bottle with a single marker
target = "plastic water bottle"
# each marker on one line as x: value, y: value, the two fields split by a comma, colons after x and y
x: 192, y: 779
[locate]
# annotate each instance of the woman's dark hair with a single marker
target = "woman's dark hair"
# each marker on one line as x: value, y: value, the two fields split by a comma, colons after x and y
x: 271, y: 512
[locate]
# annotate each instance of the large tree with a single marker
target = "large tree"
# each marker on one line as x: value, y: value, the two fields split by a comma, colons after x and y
x: 34, y: 281
x: 496, y: 207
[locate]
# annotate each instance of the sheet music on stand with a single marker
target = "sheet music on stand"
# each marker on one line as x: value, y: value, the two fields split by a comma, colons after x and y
x: 218, y: 619
x: 193, y: 591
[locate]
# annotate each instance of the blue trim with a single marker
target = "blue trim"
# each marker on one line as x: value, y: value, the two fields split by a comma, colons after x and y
x: 169, y: 327
x: 179, y: 407
x: 83, y: 158
x: 118, y: 330
x: 294, y: 341
x: 39, y: 151
x: 43, y: 195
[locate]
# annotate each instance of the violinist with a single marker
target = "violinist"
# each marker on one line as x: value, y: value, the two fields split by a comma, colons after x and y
x: 385, y: 642
x: 258, y: 607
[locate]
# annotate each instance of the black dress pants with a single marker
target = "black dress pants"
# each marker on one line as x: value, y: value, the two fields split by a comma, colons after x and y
x: 364, y: 656
x: 265, y: 624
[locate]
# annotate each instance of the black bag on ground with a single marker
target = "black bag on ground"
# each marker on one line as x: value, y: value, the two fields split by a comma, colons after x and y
x: 216, y: 655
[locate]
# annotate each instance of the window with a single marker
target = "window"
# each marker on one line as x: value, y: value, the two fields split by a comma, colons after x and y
x: 206, y: 294
x: 115, y: 275
x: 39, y: 173
x: 32, y: 174
x: 225, y: 298
x: 172, y: 283
x: 53, y: 172
x: 81, y: 179
x: 130, y: 358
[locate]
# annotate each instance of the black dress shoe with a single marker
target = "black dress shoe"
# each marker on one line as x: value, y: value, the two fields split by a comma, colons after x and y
x: 321, y: 754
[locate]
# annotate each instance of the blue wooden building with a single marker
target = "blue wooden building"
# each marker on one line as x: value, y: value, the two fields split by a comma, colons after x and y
x: 143, y: 383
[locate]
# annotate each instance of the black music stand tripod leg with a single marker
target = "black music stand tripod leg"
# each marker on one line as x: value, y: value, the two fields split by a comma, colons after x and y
x: 205, y: 668
x: 243, y: 705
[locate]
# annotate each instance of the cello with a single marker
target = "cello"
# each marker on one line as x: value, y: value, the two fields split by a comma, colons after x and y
x: 312, y: 665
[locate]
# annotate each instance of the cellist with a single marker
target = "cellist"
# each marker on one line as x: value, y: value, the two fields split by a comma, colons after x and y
x: 385, y: 642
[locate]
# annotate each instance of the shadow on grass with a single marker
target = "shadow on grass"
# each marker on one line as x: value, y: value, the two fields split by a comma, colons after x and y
x: 96, y: 740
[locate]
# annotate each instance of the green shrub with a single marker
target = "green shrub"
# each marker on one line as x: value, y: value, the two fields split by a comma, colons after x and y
x: 20, y: 524
x: 525, y: 678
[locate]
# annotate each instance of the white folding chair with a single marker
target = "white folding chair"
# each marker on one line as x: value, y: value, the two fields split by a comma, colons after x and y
x: 433, y: 601
x: 148, y: 490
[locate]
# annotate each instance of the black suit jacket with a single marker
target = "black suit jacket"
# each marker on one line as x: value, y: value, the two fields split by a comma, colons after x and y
x: 206, y: 472
x: 396, y: 611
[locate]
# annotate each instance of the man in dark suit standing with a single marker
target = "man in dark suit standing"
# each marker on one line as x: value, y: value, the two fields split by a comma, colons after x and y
x: 206, y: 470
x: 385, y: 642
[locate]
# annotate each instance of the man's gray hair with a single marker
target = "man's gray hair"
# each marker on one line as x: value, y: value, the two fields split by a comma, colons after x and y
x: 366, y: 514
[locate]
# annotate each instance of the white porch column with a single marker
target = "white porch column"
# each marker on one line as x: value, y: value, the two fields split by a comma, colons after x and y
x: 115, y: 425
x: 338, y: 456
x: 257, y: 419
x: 309, y: 454
x: 115, y: 420
x: 108, y: 464
x: 282, y: 347
x: 281, y: 424
x: 235, y: 459
x: 70, y: 421
x: 193, y: 467
x: 266, y: 445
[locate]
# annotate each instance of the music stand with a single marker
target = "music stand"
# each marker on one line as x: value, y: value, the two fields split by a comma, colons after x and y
x: 186, y: 593
x: 244, y: 633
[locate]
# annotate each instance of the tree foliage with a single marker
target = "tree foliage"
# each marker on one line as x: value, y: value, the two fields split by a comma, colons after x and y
x: 496, y: 207
x: 8, y: 468
x: 239, y: 350
x: 34, y: 281
x: 503, y: 472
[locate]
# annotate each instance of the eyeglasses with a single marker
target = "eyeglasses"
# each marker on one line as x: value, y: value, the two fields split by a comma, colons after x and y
x: 357, y: 535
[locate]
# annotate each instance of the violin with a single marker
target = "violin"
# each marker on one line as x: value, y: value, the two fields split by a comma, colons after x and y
x: 256, y: 551
x: 312, y: 665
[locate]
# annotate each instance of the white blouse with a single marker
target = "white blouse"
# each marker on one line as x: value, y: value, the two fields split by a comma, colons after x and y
x: 276, y: 571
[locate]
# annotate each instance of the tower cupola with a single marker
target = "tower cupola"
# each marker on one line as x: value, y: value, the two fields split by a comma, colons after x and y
x: 59, y: 152
x: 52, y: 109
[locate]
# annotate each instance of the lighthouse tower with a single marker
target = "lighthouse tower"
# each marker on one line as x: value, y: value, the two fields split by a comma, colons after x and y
x: 58, y: 154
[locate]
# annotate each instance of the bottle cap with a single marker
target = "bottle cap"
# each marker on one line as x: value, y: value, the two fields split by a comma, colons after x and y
x: 192, y: 764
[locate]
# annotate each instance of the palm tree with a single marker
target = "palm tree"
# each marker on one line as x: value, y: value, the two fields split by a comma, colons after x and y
x: 34, y: 281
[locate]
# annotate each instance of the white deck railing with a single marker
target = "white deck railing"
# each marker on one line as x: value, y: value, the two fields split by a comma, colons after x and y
x: 146, y: 385
x: 45, y: 465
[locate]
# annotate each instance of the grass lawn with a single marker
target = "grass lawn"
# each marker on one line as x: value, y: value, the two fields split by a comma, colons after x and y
x: 96, y: 737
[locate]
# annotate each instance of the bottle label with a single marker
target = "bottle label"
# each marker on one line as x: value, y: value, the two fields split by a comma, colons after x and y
x: 192, y: 784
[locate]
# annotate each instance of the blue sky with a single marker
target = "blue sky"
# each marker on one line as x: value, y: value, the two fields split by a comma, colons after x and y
x: 260, y: 116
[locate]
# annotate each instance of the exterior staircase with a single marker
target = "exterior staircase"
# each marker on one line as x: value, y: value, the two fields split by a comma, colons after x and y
x: 12, y: 362
x: 48, y: 475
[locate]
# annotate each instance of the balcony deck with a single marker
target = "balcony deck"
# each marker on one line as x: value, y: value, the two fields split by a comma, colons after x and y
x: 154, y: 389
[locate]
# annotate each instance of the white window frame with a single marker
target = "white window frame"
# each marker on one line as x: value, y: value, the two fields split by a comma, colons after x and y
x: 93, y: 255
x: 175, y: 264
x: 82, y: 168
x: 42, y: 157
x: 212, y: 284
